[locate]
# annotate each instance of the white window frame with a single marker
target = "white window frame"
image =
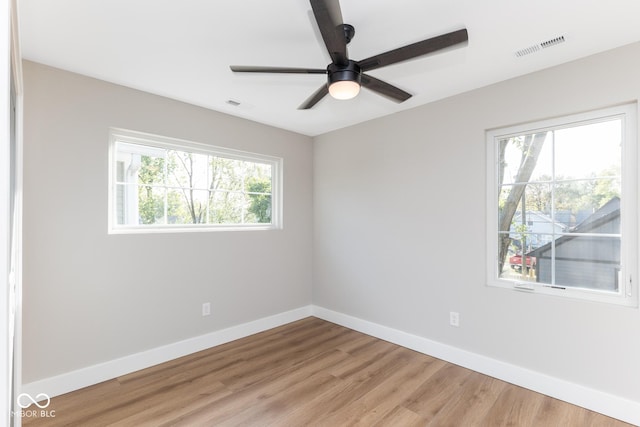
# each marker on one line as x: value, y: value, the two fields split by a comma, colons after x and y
x: 628, y: 290
x: 125, y: 136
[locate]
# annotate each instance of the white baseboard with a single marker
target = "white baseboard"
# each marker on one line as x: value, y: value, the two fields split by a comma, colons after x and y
x: 595, y: 400
x: 75, y: 380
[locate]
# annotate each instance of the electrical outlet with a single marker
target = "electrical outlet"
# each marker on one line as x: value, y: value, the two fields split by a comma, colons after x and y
x: 454, y: 318
x: 206, y: 308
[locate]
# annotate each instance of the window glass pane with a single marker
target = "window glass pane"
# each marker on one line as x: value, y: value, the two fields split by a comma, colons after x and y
x: 538, y: 198
x: 119, y: 171
x: 126, y: 204
x: 517, y: 266
x: 187, y: 170
x: 150, y: 205
x: 150, y: 169
x: 577, y: 201
x: 257, y: 177
x: 590, y: 262
x: 186, y: 206
x: 259, y: 210
x: 177, y: 210
x: 588, y: 151
x: 120, y: 204
x: 509, y: 203
x: 526, y: 158
x: 228, y: 174
x: 226, y: 207
x: 258, y: 189
x: 534, y: 199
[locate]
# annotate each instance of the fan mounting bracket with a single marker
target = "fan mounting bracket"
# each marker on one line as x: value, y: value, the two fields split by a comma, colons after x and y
x: 349, y: 32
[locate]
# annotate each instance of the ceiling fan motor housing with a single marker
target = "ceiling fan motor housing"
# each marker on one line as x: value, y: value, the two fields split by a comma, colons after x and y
x: 350, y: 72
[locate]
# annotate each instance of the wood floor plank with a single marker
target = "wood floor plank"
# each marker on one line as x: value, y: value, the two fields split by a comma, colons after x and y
x: 359, y: 374
x: 225, y: 409
x: 470, y: 406
x: 382, y: 400
x: 357, y: 342
x: 272, y: 408
x: 281, y: 356
x: 553, y: 412
x: 401, y: 416
x: 392, y: 388
x: 362, y: 381
x: 515, y: 406
x: 160, y: 410
x: 434, y: 393
x: 311, y: 373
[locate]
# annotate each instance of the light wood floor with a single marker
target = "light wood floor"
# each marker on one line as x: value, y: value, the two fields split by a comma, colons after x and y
x: 311, y: 372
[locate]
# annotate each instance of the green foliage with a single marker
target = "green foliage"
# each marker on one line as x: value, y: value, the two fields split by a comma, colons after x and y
x: 572, y: 195
x: 260, y: 205
x: 225, y: 199
x: 150, y: 203
x: 151, y: 170
x: 237, y: 192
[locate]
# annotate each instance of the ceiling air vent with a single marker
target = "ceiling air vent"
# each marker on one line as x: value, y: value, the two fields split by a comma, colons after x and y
x: 528, y: 50
x: 537, y: 47
x: 552, y: 42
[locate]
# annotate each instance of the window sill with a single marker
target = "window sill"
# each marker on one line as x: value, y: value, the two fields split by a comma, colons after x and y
x: 576, y: 294
x: 189, y: 229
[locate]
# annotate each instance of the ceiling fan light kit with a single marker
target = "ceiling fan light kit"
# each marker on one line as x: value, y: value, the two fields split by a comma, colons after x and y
x: 344, y: 82
x: 345, y: 76
x: 344, y: 89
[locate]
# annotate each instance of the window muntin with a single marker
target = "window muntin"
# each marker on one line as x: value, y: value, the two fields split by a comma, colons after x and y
x: 161, y: 184
x: 563, y: 206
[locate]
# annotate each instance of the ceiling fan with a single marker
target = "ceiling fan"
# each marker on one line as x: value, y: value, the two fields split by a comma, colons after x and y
x: 345, y: 76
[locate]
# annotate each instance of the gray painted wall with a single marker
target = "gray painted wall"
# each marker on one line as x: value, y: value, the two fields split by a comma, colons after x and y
x: 382, y: 249
x: 399, y: 236
x: 90, y: 297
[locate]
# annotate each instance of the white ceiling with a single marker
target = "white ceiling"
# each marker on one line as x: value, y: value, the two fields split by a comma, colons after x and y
x: 182, y: 49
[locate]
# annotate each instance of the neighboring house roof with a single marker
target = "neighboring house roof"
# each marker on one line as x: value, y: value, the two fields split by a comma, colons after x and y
x: 605, y: 214
x: 538, y: 217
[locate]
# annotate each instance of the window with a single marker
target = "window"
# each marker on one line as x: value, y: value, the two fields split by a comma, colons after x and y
x: 162, y: 184
x: 562, y: 206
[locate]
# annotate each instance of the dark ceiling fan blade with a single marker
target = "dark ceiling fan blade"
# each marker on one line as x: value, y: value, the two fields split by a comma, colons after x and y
x: 289, y: 70
x: 329, y: 19
x: 315, y: 98
x: 384, y: 88
x: 414, y: 50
